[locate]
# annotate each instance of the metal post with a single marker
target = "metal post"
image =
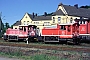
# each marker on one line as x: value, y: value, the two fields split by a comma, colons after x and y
x: 27, y: 40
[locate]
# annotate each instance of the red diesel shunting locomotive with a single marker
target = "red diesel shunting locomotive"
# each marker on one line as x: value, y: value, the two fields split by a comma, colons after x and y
x: 67, y: 32
x: 84, y: 28
x: 24, y: 32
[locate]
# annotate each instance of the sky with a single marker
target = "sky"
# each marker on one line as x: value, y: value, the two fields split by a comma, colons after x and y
x: 14, y: 10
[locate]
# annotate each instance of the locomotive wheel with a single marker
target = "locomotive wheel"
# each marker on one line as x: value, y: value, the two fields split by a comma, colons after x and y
x: 76, y: 41
x: 6, y: 40
x: 29, y: 40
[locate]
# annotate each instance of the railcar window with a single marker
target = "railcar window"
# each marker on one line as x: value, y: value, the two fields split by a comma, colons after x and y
x: 63, y: 27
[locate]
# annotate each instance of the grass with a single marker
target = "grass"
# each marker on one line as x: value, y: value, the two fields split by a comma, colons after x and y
x: 43, y: 57
x: 18, y: 54
x: 33, y: 57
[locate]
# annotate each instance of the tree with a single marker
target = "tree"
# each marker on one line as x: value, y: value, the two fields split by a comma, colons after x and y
x: 87, y: 6
x: 1, y: 25
x: 11, y: 26
x: 47, y: 14
x: 7, y: 25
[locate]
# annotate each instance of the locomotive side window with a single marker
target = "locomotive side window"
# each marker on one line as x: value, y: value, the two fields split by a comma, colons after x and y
x: 24, y: 29
x: 69, y: 28
x: 83, y: 22
x: 15, y: 28
x: 20, y: 28
x: 80, y: 22
x: 63, y: 27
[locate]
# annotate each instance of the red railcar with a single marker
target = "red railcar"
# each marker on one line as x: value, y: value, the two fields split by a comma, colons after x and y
x: 84, y: 28
x: 65, y: 32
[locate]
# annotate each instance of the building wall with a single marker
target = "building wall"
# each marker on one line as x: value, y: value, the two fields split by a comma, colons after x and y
x: 26, y: 20
x: 41, y: 23
x: 63, y: 19
x: 15, y: 27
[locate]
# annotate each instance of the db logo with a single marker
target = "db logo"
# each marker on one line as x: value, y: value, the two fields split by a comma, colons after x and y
x: 63, y: 32
x: 83, y: 29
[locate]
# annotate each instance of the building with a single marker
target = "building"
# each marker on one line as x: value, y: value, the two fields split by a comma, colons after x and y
x: 63, y: 14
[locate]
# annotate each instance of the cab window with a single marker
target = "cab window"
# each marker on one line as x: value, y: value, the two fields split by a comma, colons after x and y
x: 24, y: 29
x: 20, y: 28
x: 63, y: 27
x: 68, y: 28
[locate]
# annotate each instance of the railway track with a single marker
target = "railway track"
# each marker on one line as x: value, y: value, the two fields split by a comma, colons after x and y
x: 49, y: 47
x: 81, y: 48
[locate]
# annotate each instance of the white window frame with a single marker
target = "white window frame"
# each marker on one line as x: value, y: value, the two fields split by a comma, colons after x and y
x: 46, y: 23
x: 24, y: 22
x: 53, y: 19
x: 59, y: 19
x: 27, y: 22
x: 71, y: 20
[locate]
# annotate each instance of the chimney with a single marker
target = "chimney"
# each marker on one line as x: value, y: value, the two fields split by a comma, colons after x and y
x: 33, y: 15
x: 45, y: 13
x: 76, y: 5
x: 60, y: 4
x: 36, y: 14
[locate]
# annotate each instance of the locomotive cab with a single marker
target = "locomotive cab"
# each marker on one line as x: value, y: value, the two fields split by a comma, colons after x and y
x: 32, y: 36
x: 84, y: 29
x: 69, y: 32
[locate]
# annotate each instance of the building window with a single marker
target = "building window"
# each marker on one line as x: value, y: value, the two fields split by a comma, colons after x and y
x: 31, y: 21
x: 27, y: 22
x: 46, y: 23
x: 24, y: 22
x: 59, y: 18
x: 26, y: 17
x: 53, y: 19
x: 36, y: 22
x: 15, y: 28
x: 71, y: 20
